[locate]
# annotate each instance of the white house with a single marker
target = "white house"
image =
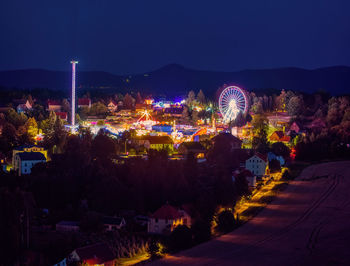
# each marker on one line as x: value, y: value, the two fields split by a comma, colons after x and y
x: 257, y: 164
x: 23, y: 105
x: 24, y: 161
x: 166, y: 218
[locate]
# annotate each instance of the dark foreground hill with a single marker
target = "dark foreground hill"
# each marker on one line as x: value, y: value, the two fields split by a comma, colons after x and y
x: 175, y: 79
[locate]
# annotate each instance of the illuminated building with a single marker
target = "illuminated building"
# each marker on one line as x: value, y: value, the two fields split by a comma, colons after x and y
x: 84, y: 102
x: 24, y: 161
x: 158, y: 143
x: 279, y: 136
x: 166, y: 218
x: 28, y: 148
x: 53, y: 105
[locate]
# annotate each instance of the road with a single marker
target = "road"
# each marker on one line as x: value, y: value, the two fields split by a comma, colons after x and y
x: 307, y: 224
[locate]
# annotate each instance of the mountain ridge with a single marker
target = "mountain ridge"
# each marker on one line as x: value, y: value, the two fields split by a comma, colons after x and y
x: 175, y: 79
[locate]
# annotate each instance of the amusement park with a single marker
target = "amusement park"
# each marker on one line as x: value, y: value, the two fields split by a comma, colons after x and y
x: 171, y: 119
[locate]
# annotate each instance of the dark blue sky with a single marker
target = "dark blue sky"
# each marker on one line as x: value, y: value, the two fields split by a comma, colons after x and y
x: 132, y: 36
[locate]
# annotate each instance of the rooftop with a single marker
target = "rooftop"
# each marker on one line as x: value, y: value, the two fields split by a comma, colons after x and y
x: 167, y: 212
x: 31, y: 156
x: 27, y: 146
x: 112, y: 220
x: 84, y: 101
x: 95, y: 254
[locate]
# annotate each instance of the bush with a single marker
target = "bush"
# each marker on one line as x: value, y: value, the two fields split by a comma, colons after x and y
x: 180, y: 238
x: 226, y: 221
x: 154, y: 249
x: 201, y: 231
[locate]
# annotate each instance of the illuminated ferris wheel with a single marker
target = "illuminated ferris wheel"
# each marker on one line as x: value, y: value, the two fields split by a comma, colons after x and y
x: 232, y: 100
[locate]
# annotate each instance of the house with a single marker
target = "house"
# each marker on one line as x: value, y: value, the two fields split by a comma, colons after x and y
x: 24, y: 161
x: 112, y: 106
x: 295, y: 127
x: 232, y: 141
x: 248, y: 175
x: 166, y: 218
x: 28, y: 148
x: 54, y: 106
x: 257, y: 164
x: 67, y: 226
x: 158, y: 143
x: 22, y: 105
x: 141, y: 220
x: 62, y: 115
x: 113, y: 223
x: 84, y: 102
x: 279, y: 136
x: 194, y: 147
x: 96, y: 254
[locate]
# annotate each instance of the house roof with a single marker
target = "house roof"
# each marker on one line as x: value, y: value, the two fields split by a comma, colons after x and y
x: 193, y: 145
x: 95, y: 254
x: 262, y: 156
x: 27, y: 146
x: 281, y: 136
x: 159, y: 139
x: 20, y: 101
x: 228, y: 137
x: 112, y: 220
x: 259, y: 155
x: 53, y: 102
x: 167, y: 212
x: 62, y: 115
x: 279, y: 133
x: 31, y: 156
x: 68, y: 223
x: 112, y: 102
x: 84, y: 101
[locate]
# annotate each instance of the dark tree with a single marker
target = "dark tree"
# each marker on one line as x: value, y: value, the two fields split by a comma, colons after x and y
x: 180, y: 238
x: 226, y: 221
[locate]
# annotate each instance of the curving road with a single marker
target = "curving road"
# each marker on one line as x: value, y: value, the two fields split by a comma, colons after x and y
x: 308, y: 224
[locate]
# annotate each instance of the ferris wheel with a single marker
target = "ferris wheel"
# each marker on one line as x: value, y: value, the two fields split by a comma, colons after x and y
x: 232, y: 100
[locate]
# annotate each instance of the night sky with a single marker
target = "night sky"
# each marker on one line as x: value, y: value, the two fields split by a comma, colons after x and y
x: 133, y: 36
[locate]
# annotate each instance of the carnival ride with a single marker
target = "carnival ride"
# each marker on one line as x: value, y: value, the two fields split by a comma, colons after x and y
x: 232, y: 101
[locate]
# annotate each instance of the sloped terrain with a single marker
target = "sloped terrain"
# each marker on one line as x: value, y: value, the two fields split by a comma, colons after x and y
x: 308, y: 224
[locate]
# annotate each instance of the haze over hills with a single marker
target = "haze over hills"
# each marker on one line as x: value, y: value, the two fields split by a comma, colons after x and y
x: 175, y: 79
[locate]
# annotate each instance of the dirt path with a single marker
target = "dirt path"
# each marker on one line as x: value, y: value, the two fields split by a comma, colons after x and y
x: 308, y: 224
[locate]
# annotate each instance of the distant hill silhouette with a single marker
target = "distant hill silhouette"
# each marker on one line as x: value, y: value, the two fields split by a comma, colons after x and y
x: 175, y: 79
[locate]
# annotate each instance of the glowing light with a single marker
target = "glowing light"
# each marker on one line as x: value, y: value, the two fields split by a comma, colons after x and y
x: 232, y: 100
x: 73, y: 91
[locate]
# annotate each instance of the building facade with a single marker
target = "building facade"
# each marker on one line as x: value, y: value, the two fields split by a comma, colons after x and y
x: 257, y: 164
